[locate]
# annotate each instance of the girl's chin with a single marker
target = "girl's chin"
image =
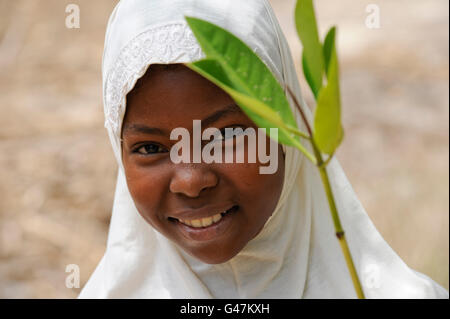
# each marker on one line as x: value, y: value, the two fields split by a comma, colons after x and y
x: 213, y: 257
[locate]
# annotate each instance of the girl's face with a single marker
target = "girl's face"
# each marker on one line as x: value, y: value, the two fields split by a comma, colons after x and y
x: 234, y: 197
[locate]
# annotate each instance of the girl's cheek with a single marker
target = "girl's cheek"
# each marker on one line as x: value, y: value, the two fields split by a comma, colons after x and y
x: 246, y: 177
x: 146, y: 186
x: 258, y: 185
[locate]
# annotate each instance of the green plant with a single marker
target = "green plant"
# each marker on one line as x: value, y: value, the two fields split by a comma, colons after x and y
x: 235, y: 68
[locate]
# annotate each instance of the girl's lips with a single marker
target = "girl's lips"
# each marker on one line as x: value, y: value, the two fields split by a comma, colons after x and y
x: 210, y: 232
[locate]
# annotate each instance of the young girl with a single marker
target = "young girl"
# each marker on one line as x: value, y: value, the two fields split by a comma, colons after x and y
x: 220, y: 230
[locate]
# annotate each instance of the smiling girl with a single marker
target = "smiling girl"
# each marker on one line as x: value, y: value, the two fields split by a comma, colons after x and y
x: 220, y: 230
x: 210, y: 210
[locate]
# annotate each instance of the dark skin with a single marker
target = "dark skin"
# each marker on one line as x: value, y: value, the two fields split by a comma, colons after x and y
x: 167, y: 97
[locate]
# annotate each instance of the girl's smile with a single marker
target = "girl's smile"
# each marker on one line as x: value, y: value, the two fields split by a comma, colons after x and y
x: 207, y: 228
x: 211, y: 210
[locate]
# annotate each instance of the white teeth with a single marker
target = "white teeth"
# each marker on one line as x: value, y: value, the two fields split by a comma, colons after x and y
x: 207, y: 221
x: 187, y: 222
x: 216, y: 218
x: 203, y: 222
x: 196, y: 222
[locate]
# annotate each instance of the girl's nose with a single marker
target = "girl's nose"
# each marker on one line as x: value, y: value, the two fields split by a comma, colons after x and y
x: 192, y: 180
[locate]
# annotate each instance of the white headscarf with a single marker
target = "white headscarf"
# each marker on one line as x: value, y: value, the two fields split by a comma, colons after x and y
x: 296, y: 255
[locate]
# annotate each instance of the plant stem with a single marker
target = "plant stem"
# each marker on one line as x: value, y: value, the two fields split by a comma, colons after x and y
x: 302, y: 114
x: 339, y: 230
x: 325, y: 163
x: 297, y: 132
x: 321, y: 165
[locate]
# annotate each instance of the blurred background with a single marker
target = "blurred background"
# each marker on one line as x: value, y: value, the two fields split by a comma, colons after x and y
x: 57, y: 170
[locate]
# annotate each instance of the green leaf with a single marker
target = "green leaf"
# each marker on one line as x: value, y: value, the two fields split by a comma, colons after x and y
x: 328, y: 131
x: 328, y: 47
x: 313, y: 64
x: 234, y: 67
x: 262, y: 114
x: 246, y: 72
x: 307, y: 72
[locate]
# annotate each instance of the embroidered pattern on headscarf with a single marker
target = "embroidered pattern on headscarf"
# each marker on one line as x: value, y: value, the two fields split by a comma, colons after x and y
x: 162, y: 45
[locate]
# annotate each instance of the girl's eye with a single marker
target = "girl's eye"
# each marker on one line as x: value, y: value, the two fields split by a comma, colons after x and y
x: 148, y: 149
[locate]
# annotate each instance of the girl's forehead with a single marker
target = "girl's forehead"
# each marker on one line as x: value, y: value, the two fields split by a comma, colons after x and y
x: 175, y: 91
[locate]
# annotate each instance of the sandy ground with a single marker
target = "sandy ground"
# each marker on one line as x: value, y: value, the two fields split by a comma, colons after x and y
x: 57, y: 170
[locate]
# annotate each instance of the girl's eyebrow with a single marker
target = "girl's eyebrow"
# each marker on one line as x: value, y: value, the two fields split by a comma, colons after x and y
x: 141, y: 128
x: 228, y: 110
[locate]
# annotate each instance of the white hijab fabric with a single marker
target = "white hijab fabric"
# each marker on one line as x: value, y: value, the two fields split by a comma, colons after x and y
x: 296, y: 255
